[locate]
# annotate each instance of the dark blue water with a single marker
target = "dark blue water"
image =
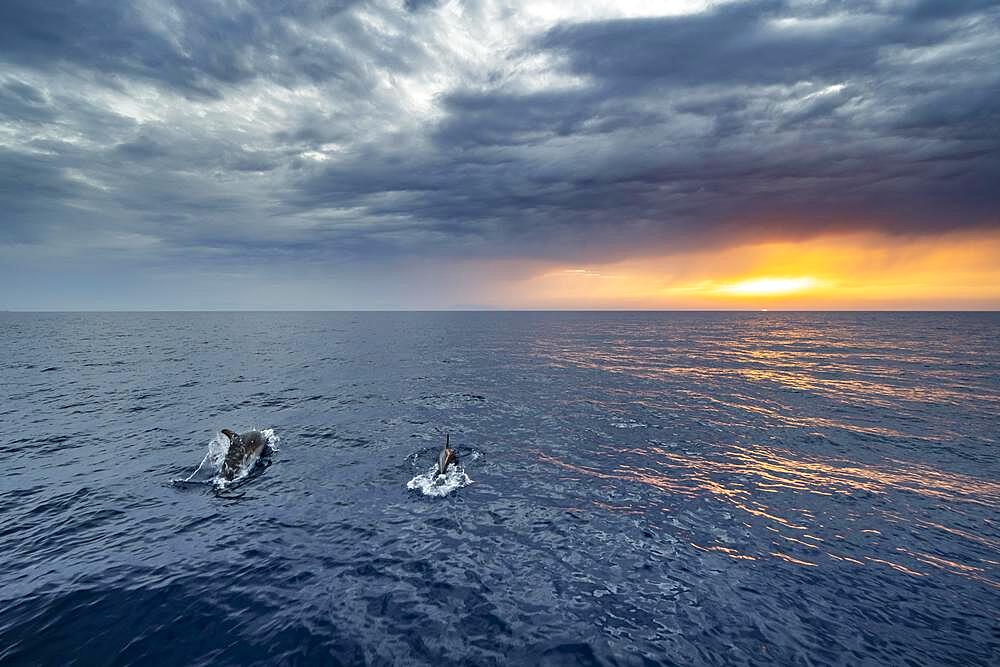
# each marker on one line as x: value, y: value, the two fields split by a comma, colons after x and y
x: 673, y: 488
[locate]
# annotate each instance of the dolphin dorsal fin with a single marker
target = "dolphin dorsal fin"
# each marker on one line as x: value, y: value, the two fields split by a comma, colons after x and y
x: 446, y: 440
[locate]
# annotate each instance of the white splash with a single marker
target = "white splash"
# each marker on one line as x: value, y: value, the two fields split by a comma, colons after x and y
x: 627, y: 423
x: 438, y: 486
x: 209, y: 471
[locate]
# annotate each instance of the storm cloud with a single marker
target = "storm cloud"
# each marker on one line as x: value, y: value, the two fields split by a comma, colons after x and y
x: 334, y: 134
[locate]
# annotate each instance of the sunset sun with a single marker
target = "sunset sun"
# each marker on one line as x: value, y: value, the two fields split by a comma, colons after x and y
x: 769, y: 286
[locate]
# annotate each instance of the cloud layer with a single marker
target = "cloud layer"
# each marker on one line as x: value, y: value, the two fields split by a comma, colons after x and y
x: 334, y: 137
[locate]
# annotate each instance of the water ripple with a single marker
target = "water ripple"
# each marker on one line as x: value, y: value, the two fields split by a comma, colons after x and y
x: 685, y: 488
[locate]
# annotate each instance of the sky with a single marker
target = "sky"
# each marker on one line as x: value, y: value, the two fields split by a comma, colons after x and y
x: 307, y: 154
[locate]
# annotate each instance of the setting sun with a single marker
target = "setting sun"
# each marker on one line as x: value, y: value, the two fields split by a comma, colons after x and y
x: 769, y: 286
x: 867, y: 271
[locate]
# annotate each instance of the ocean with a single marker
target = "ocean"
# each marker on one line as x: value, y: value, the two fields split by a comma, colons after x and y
x: 634, y: 489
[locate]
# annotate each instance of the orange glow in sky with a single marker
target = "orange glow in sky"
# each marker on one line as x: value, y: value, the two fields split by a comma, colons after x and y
x: 859, y: 271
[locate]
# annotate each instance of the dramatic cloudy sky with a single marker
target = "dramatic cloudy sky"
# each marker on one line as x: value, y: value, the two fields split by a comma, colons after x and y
x: 308, y: 153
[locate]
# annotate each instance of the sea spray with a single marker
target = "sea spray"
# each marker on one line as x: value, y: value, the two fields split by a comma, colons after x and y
x: 209, y: 471
x: 432, y: 484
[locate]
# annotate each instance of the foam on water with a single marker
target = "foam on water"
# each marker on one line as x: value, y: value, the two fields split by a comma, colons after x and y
x: 432, y: 484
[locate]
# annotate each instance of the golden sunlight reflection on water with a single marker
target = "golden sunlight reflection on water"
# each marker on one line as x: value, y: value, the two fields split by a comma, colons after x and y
x: 800, y: 426
x: 743, y: 478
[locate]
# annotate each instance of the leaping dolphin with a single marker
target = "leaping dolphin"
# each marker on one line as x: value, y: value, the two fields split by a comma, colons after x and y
x: 445, y: 458
x: 243, y: 447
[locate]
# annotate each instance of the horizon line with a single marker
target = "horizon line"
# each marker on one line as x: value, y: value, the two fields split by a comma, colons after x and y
x: 504, y: 310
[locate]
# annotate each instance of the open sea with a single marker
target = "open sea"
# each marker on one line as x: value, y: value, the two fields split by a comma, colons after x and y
x: 634, y: 489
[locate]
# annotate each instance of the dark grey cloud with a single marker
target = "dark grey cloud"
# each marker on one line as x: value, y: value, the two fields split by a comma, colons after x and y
x: 325, y: 133
x: 417, y: 5
x: 142, y: 148
x: 496, y: 119
x: 20, y: 102
x: 33, y: 188
x: 764, y: 42
x: 196, y: 48
x: 752, y: 119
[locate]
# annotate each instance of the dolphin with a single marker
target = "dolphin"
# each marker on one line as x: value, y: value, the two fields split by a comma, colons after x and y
x: 243, y: 447
x: 446, y: 457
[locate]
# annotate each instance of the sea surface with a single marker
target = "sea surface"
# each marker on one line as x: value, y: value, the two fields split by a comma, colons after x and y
x: 634, y: 489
